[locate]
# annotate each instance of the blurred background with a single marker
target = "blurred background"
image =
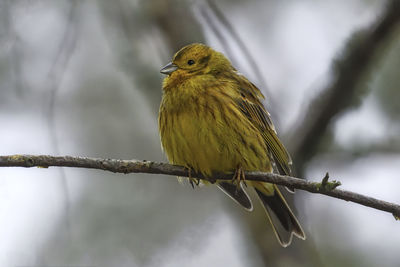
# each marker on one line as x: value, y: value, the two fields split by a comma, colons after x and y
x: 82, y: 78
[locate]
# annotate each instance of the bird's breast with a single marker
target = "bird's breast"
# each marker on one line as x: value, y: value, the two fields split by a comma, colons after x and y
x: 209, y: 134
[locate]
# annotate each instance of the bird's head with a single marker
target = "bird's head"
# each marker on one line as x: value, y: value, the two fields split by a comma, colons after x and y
x: 196, y: 59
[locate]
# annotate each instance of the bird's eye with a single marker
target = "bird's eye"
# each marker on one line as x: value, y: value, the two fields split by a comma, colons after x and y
x: 190, y: 62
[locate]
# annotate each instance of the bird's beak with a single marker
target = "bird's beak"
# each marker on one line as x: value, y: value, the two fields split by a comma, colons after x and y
x: 169, y: 68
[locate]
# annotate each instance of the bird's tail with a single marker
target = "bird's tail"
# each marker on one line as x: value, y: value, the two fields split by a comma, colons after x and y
x: 238, y: 194
x: 283, y: 221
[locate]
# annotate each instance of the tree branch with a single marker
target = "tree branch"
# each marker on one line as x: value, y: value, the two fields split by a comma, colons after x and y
x: 143, y: 166
x: 342, y: 93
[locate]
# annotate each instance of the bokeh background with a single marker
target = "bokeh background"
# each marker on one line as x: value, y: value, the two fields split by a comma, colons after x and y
x: 82, y: 78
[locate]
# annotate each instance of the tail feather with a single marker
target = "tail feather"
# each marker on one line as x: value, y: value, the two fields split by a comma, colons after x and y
x: 283, y: 221
x: 237, y: 194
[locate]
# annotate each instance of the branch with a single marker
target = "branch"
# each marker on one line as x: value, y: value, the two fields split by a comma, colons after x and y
x: 341, y: 94
x: 143, y: 166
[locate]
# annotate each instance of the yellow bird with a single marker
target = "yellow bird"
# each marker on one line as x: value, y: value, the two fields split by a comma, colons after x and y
x: 212, y: 119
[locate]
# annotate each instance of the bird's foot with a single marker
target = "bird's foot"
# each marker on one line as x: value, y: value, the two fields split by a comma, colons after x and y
x: 192, y: 181
x: 239, y: 177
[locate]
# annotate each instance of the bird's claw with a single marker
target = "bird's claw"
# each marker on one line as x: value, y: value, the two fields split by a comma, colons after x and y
x: 192, y: 181
x: 239, y: 177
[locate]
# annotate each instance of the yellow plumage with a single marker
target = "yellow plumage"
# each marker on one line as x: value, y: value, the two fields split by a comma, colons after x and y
x: 211, y: 119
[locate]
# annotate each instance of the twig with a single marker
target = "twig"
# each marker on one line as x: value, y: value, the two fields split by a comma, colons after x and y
x: 142, y: 166
x: 214, y: 28
x: 54, y: 77
x: 242, y: 45
x: 271, y: 100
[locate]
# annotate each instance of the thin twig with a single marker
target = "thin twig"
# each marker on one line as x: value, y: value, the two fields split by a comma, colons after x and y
x: 242, y: 45
x: 214, y: 28
x: 54, y: 78
x: 142, y: 166
x: 272, y: 102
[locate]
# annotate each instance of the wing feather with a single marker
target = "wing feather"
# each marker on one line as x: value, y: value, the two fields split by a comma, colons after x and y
x: 249, y: 100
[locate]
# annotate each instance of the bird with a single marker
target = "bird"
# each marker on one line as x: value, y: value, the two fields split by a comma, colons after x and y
x: 212, y: 120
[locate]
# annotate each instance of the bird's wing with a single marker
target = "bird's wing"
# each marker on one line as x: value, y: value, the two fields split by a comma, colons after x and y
x: 249, y: 101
